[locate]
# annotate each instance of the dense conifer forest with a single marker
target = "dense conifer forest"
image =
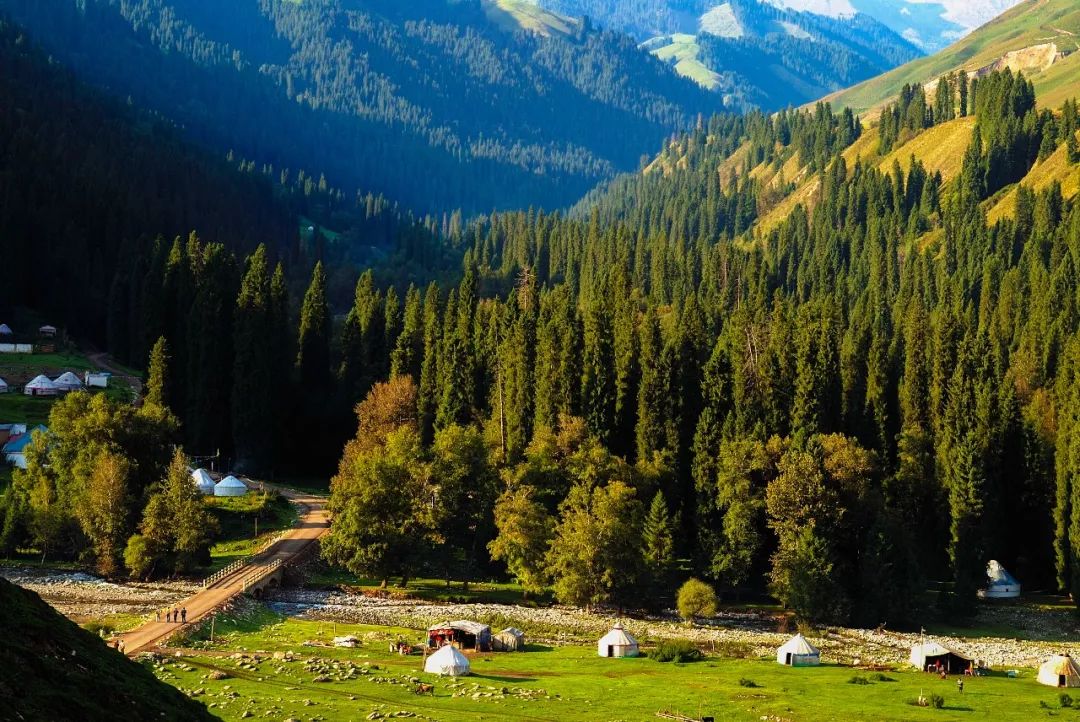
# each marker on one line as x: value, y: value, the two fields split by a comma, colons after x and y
x: 430, y: 104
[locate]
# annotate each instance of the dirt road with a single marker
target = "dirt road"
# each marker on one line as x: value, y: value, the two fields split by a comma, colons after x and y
x: 313, y: 523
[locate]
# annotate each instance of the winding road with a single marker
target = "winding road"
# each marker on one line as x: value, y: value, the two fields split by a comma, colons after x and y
x: 313, y: 523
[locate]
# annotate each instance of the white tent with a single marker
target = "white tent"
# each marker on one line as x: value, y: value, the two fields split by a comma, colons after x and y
x: 617, y: 643
x: 797, y: 652
x: 510, y: 639
x: 448, y: 662
x: 930, y: 654
x: 203, y: 482
x: 40, y: 386
x: 68, y: 381
x: 999, y: 583
x: 3, y: 387
x: 1059, y: 671
x: 230, y: 486
x: 5, y: 330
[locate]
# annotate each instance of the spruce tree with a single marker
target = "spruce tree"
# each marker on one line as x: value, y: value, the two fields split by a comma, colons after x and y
x: 253, y: 382
x: 313, y: 346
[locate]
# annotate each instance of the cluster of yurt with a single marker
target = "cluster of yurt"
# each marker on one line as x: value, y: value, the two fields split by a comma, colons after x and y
x: 203, y: 482
x: 999, y: 583
x: 798, y: 652
x: 448, y: 662
x: 230, y: 486
x: 1059, y: 671
x: 617, y: 643
x: 42, y: 385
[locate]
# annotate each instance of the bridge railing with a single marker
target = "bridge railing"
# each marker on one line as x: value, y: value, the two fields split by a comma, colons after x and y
x: 258, y: 575
x: 225, y: 571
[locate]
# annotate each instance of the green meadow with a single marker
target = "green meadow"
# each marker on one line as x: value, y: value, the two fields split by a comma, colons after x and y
x: 563, y: 682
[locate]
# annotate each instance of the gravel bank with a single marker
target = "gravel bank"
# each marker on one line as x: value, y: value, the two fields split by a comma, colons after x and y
x: 744, y: 634
x: 83, y: 597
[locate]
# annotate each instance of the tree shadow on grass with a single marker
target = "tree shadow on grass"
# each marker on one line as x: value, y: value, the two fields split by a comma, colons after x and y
x: 957, y: 708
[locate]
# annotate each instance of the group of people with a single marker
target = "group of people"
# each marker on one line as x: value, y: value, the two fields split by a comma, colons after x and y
x: 174, y: 615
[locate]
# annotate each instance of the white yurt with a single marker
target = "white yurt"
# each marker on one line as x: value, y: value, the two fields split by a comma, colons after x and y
x: 5, y: 330
x: 3, y: 387
x: 1059, y: 671
x: 68, y: 381
x: 797, y: 652
x: 999, y: 583
x: 203, y: 482
x: 510, y: 639
x: 40, y: 386
x: 617, y: 643
x: 230, y: 486
x: 448, y: 662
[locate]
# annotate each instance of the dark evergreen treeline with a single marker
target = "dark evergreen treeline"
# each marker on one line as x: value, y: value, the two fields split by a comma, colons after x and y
x: 84, y: 182
x: 429, y: 104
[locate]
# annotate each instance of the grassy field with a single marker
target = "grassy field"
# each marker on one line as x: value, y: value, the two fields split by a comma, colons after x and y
x: 49, y: 361
x: 565, y: 683
x: 683, y: 51
x: 432, y: 590
x: 513, y: 15
x: 1031, y: 23
x: 238, y: 518
x: 1056, y: 167
x: 22, y: 409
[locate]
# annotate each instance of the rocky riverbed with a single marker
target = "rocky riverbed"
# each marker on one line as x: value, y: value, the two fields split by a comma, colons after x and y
x: 742, y: 634
x: 83, y: 597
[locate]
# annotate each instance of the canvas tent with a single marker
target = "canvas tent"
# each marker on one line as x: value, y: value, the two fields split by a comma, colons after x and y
x: 617, y: 643
x: 1059, y: 671
x: 5, y: 330
x: 203, y: 482
x: 47, y: 331
x: 448, y: 662
x: 797, y: 652
x: 462, y: 633
x: 230, y: 486
x: 509, y: 640
x: 929, y: 655
x: 999, y: 583
x: 68, y: 381
x: 40, y: 386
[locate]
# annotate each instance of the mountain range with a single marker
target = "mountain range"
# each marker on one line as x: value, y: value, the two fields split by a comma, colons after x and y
x: 929, y: 24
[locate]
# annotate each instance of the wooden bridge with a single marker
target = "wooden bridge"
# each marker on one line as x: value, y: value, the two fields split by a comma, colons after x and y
x: 254, y: 575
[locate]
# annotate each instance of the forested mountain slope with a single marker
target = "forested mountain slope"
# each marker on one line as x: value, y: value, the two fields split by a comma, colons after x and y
x: 1038, y: 37
x: 88, y: 183
x: 438, y: 105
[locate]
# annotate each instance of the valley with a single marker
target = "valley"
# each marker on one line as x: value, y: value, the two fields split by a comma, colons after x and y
x: 721, y: 359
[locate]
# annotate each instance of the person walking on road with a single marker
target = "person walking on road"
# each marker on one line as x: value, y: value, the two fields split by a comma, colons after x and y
x: 183, y: 614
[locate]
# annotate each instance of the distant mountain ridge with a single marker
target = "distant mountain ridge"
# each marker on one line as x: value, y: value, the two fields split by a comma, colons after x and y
x: 929, y: 24
x: 758, y: 55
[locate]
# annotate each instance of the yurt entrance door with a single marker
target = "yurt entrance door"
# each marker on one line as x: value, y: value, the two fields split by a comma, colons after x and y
x: 787, y: 658
x: 611, y: 653
x: 1061, y: 680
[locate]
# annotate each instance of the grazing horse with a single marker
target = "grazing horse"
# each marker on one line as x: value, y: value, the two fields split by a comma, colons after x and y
x: 425, y: 689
